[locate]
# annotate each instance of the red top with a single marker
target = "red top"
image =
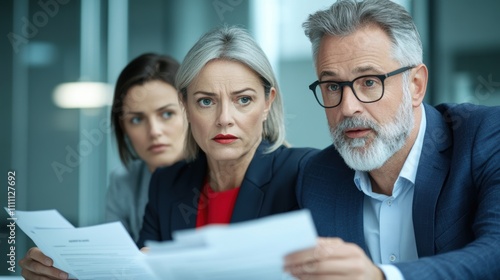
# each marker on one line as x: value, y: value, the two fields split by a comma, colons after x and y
x: 215, y: 207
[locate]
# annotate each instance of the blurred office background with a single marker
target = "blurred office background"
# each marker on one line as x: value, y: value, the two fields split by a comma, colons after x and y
x: 62, y: 156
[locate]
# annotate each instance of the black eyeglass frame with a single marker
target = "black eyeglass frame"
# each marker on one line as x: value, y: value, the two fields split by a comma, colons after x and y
x: 381, y: 77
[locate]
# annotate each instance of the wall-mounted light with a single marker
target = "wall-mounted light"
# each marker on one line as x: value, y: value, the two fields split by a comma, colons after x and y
x: 83, y: 95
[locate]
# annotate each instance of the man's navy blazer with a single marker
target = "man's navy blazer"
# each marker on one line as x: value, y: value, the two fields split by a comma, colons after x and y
x: 267, y: 188
x: 456, y: 203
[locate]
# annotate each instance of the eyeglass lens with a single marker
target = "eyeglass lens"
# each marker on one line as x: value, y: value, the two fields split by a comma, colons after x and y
x: 366, y: 89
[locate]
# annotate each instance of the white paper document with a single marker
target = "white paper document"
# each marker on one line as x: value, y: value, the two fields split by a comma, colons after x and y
x: 96, y: 252
x: 246, y: 250
x: 249, y: 250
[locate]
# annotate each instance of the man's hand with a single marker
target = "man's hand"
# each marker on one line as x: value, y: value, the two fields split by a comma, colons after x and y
x: 332, y: 258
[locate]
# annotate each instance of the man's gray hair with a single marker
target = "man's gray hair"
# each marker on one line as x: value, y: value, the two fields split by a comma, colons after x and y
x: 347, y: 16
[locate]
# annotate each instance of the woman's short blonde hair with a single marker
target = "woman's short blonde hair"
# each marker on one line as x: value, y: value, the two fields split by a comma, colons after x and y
x: 234, y: 44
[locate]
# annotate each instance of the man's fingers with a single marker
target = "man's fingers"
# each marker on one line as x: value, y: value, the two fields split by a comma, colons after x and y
x: 325, y: 248
x: 337, y: 267
x: 332, y: 257
x: 329, y: 247
x: 300, y: 257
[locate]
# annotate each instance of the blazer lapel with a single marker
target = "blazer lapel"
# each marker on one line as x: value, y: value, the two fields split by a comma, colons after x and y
x: 184, y: 212
x: 336, y: 204
x: 250, y: 196
x: 432, y: 170
x: 355, y: 203
x: 185, y: 209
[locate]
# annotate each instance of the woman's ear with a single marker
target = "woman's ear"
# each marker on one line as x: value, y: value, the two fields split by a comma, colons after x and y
x: 183, y: 106
x: 418, y: 84
x: 269, y: 102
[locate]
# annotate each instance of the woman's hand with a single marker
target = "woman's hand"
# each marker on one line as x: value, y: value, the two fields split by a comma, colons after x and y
x: 35, y: 265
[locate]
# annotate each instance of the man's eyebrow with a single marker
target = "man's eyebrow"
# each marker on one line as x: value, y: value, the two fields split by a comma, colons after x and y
x: 327, y: 74
x: 366, y: 69
x: 358, y: 70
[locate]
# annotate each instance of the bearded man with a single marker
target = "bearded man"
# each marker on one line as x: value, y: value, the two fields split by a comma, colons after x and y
x: 407, y: 190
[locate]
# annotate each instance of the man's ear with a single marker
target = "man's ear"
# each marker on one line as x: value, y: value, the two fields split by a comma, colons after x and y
x: 418, y: 84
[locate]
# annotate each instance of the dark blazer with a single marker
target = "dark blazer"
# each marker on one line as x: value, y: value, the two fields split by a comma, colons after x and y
x: 268, y: 188
x: 456, y: 203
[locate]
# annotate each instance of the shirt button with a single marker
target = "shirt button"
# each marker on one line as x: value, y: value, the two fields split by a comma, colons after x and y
x: 389, y: 202
x: 392, y: 258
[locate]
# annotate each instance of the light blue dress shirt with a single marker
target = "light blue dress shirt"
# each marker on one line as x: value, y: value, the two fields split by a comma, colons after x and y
x: 387, y: 220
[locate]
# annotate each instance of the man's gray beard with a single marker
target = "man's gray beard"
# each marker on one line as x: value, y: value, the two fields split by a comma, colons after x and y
x: 388, y: 139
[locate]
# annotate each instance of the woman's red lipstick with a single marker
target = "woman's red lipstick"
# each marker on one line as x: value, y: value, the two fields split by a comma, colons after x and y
x: 225, y: 138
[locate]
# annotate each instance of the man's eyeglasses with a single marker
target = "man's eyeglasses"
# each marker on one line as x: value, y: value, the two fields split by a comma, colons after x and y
x: 367, y: 89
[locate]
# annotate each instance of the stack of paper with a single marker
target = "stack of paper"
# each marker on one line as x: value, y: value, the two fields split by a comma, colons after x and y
x: 246, y: 250
x: 97, y: 252
x: 249, y: 250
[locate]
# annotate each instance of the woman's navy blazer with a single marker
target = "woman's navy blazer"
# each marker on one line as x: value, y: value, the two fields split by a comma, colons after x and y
x: 267, y: 188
